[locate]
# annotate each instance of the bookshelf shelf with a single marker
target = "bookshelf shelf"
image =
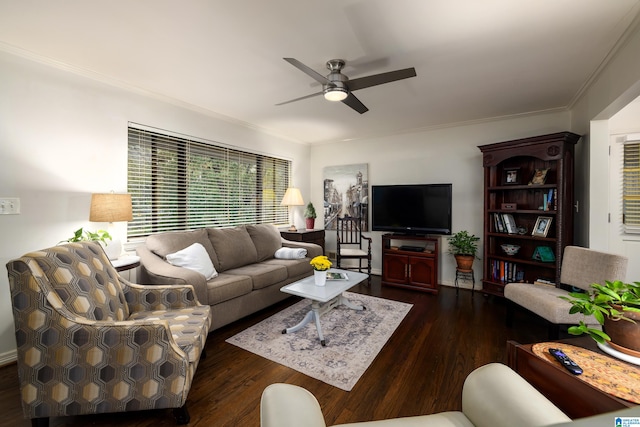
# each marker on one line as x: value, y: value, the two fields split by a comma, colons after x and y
x: 508, y: 169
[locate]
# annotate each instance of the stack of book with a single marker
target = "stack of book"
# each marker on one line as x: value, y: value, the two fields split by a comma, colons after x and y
x: 549, y: 200
x: 505, y: 223
x: 505, y: 271
x: 544, y: 282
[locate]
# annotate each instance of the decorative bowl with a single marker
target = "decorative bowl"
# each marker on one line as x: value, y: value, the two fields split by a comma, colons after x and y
x: 510, y: 249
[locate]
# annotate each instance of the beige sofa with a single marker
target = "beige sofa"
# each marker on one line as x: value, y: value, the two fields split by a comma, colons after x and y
x: 249, y: 276
x: 492, y: 396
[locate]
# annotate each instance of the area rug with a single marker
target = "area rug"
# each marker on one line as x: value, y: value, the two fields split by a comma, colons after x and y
x: 353, y: 338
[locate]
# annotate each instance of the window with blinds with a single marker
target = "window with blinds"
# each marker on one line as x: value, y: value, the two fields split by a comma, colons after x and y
x: 178, y: 183
x: 631, y: 184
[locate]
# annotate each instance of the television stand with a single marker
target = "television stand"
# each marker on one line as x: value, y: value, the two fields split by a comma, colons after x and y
x: 410, y: 261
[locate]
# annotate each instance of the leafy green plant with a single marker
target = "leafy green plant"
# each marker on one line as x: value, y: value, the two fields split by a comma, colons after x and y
x: 463, y: 243
x: 81, y: 235
x: 310, y: 211
x: 610, y: 300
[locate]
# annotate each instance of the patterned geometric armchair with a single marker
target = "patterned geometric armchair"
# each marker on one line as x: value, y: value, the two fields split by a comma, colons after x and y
x: 91, y: 342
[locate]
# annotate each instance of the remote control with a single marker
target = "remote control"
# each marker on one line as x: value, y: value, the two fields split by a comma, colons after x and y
x: 565, y: 361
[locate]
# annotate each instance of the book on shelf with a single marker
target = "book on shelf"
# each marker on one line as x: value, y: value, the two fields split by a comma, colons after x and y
x: 499, y: 223
x: 506, y: 271
x: 334, y: 275
x: 509, y: 223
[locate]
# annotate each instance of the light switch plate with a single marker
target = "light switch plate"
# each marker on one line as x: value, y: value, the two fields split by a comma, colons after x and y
x: 9, y: 206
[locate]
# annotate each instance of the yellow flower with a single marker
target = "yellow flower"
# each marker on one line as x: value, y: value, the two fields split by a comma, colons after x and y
x: 320, y: 263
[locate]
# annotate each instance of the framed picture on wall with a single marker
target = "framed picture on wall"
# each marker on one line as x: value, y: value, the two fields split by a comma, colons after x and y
x: 346, y: 193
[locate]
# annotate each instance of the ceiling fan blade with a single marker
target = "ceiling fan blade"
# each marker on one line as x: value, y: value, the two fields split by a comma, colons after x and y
x: 301, y: 98
x: 355, y: 103
x: 315, y: 75
x: 382, y: 78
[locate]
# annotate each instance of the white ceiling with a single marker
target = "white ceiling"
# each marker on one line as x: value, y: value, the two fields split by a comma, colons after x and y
x: 475, y: 59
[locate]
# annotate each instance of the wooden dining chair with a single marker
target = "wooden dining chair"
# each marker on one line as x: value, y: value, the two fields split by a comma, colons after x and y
x: 352, y: 244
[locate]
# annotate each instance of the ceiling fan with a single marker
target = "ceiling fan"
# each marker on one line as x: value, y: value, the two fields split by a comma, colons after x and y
x: 337, y: 87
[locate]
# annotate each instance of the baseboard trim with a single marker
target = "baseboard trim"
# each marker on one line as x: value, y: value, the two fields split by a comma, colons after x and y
x: 8, y: 357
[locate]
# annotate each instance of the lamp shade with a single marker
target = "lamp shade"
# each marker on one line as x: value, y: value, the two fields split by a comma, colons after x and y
x: 292, y: 197
x: 110, y: 207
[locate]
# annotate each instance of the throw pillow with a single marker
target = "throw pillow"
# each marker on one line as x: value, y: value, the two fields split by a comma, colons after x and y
x: 290, y: 253
x: 194, y: 257
x: 266, y: 238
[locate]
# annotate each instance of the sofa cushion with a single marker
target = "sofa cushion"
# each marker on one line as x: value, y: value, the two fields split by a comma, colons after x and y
x: 169, y: 242
x: 262, y: 274
x: 226, y: 287
x: 194, y: 257
x: 233, y: 247
x: 545, y: 302
x: 295, y: 267
x: 188, y: 326
x: 266, y: 239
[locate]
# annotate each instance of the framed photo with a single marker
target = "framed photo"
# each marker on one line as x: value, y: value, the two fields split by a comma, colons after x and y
x: 539, y: 176
x: 542, y: 227
x: 511, y: 176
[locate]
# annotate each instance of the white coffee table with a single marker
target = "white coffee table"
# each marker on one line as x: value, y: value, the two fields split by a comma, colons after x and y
x: 323, y: 298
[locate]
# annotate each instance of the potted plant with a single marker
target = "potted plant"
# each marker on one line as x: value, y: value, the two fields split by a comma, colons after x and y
x: 310, y: 216
x: 616, y: 306
x: 80, y: 235
x: 320, y: 265
x: 464, y: 247
x: 101, y: 236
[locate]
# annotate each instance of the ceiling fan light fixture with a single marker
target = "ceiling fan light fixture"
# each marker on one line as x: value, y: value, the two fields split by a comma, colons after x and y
x: 335, y: 94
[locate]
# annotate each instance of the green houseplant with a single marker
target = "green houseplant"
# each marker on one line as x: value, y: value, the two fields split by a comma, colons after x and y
x: 464, y: 247
x: 310, y: 216
x: 616, y: 306
x: 81, y: 235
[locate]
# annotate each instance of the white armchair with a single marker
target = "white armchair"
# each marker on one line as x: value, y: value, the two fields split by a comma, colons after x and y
x: 492, y: 396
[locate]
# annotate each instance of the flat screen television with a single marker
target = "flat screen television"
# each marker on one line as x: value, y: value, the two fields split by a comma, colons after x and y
x: 412, y: 209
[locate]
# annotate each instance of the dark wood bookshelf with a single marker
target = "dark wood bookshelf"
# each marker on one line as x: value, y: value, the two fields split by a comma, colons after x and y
x: 522, y: 157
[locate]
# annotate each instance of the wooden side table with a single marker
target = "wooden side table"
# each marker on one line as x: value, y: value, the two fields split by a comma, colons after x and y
x: 574, y: 397
x: 304, y: 235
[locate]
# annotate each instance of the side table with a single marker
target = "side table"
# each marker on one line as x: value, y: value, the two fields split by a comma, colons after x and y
x: 304, y: 235
x: 126, y: 263
x: 573, y: 396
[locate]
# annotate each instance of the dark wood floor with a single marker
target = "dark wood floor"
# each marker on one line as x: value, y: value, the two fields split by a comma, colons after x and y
x: 419, y: 371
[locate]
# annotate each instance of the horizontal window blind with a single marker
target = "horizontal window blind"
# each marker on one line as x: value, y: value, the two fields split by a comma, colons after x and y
x: 631, y: 187
x: 177, y: 183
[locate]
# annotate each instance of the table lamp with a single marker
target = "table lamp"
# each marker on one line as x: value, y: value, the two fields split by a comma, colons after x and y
x: 292, y: 197
x: 111, y: 207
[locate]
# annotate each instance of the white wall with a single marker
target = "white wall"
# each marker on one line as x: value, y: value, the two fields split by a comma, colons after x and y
x: 64, y: 136
x: 448, y: 155
x: 616, y: 86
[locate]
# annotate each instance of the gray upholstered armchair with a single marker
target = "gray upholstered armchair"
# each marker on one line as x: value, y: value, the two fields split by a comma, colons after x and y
x: 90, y: 342
x: 580, y: 268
